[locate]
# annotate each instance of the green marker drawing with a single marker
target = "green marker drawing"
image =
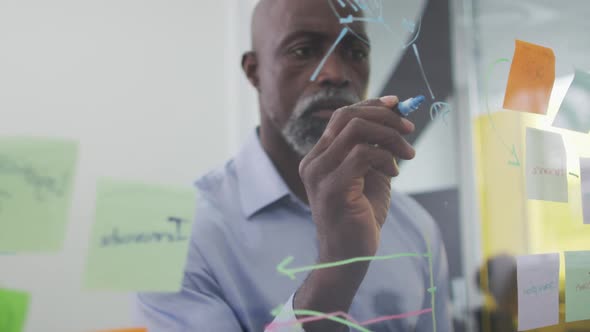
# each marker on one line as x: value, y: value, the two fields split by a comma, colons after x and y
x: 512, y: 149
x: 432, y: 289
x: 290, y: 272
x: 348, y: 320
x: 332, y: 318
x: 276, y: 311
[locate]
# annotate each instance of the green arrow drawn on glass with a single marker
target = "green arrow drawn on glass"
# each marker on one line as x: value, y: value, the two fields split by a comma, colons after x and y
x: 290, y: 272
x: 514, y: 161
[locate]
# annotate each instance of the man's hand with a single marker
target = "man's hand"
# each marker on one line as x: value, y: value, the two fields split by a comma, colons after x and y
x: 348, y: 173
x: 347, y: 178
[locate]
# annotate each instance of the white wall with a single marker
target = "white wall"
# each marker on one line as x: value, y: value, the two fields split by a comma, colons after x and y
x: 144, y: 86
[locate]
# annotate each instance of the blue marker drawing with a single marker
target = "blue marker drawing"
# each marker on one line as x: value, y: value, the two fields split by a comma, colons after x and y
x: 353, y: 6
x: 422, y: 70
x: 350, y: 19
x: 374, y: 11
x: 409, y: 25
x: 416, y: 35
x: 319, y: 68
x: 440, y: 110
x: 361, y: 4
x: 410, y: 105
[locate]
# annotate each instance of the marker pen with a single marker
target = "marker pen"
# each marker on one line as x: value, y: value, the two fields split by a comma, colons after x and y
x: 410, y: 105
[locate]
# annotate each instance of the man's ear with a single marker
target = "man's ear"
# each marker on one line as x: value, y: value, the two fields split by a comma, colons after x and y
x: 250, y: 68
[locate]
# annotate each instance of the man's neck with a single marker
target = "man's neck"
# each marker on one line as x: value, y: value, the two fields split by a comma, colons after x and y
x: 284, y: 159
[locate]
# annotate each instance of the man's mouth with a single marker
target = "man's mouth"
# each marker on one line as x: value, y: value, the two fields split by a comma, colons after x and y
x: 325, y: 109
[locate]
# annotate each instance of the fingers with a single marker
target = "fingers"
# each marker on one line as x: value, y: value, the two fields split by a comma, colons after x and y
x: 377, y: 114
x: 349, y: 136
x: 375, y: 110
x: 363, y: 132
x: 363, y: 158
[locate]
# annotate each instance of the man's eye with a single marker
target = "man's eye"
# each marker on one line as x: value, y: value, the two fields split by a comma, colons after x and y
x: 359, y: 54
x: 302, y: 52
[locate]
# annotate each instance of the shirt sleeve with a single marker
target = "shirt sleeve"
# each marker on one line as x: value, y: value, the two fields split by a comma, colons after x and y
x: 285, y: 321
x: 198, y: 306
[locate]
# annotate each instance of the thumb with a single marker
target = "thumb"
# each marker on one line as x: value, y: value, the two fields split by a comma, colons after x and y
x: 387, y: 101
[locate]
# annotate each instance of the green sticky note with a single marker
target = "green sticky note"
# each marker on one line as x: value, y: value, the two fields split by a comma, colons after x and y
x: 577, y: 285
x: 36, y: 181
x: 14, y: 306
x: 140, y: 237
x: 574, y: 113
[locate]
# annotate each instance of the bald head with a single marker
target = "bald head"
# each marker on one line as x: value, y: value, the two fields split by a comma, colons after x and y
x: 261, y: 20
x: 270, y: 15
x: 293, y: 41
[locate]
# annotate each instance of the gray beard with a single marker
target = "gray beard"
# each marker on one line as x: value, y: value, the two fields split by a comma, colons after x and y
x: 302, y: 131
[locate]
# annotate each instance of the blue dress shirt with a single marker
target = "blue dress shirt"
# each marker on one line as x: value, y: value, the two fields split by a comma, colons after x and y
x: 248, y: 221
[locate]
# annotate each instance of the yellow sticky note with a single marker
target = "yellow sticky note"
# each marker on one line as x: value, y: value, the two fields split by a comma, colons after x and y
x: 36, y: 180
x: 531, y: 78
x: 13, y: 310
x: 140, y: 237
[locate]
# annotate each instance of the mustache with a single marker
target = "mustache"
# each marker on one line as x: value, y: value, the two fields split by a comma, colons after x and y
x: 325, y: 99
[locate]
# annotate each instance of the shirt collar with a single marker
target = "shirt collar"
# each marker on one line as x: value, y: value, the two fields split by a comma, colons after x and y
x: 260, y: 184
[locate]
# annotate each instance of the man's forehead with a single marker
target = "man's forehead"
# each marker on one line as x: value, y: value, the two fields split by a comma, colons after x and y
x: 296, y: 12
x: 275, y: 20
x: 290, y: 15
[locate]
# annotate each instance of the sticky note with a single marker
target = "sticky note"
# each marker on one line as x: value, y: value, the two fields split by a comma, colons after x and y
x: 574, y: 112
x: 531, y: 78
x: 140, y: 237
x: 138, y: 329
x: 538, y: 290
x: 585, y: 183
x: 14, y: 306
x: 546, y: 166
x: 577, y: 285
x: 36, y: 181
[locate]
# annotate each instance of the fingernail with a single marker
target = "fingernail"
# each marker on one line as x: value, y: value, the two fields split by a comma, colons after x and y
x: 408, y: 124
x: 389, y: 101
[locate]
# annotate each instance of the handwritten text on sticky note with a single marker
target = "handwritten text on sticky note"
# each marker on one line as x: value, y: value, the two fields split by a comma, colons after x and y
x: 538, y: 290
x: 140, y: 236
x: 36, y: 180
x: 546, y: 166
x: 577, y: 285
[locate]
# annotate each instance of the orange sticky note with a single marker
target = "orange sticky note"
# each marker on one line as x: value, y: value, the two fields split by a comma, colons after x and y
x: 531, y: 79
x: 138, y: 329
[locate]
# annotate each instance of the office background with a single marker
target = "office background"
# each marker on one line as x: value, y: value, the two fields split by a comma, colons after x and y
x: 153, y: 92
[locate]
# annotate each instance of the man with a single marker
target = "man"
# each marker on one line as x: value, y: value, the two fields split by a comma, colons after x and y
x: 312, y: 183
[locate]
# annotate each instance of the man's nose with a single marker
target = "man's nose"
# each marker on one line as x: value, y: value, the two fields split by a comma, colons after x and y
x: 334, y: 72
